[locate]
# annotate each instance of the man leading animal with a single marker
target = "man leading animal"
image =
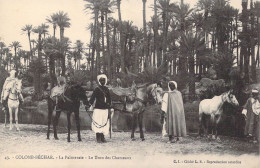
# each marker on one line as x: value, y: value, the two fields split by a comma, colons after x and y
x: 100, y: 119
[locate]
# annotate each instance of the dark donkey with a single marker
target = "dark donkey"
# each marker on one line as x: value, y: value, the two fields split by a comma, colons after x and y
x: 69, y: 102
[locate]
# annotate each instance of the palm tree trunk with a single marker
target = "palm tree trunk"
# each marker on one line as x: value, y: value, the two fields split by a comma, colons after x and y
x: 93, y: 48
x: 182, y: 60
x: 192, y: 77
x: 122, y: 56
x: 29, y: 37
x: 63, y: 59
x: 108, y: 49
x: 98, y: 50
x: 113, y: 68
x: 252, y: 43
x: 244, y: 48
x: 237, y: 48
x: 52, y: 70
x: 103, y: 42
x: 145, y: 55
x: 54, y: 30
x: 155, y: 52
x: 15, y: 58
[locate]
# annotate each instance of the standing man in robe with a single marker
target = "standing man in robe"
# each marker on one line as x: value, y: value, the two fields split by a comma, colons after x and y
x: 251, y: 111
x: 172, y: 105
x: 100, y: 118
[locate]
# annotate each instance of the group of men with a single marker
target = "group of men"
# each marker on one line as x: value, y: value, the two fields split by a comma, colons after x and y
x: 172, y: 107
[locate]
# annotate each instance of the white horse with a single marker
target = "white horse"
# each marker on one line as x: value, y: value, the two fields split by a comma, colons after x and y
x: 213, y: 109
x: 14, y: 95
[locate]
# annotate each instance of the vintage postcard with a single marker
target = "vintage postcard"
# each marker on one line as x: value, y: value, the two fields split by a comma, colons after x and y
x: 129, y: 83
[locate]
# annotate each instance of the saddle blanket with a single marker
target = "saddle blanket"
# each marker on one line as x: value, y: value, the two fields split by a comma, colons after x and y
x: 57, y: 91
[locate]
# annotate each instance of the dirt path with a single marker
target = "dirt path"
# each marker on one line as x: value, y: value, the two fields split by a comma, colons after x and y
x: 31, y: 140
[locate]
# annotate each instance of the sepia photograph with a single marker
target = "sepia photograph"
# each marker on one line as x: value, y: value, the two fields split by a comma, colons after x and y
x: 129, y: 83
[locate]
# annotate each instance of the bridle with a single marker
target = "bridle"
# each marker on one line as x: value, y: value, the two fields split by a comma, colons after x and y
x: 135, y: 98
x: 154, y: 94
x: 16, y: 93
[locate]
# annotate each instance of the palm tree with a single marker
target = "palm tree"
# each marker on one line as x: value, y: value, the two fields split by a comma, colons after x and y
x: 182, y: 13
x: 94, y: 7
x: 122, y: 56
x: 6, y: 53
x: 105, y: 9
x: 15, y: 45
x: 244, y: 60
x: 28, y: 29
x: 165, y: 10
x: 40, y: 30
x: 155, y: 22
x: 145, y: 34
x: 2, y: 46
x: 206, y: 6
x: 63, y: 22
x: 53, y: 20
x: 52, y: 48
x: 79, y: 50
x: 33, y: 46
x: 45, y: 29
x: 191, y: 44
x: 22, y: 54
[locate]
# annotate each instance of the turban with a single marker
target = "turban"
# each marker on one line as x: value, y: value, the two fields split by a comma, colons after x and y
x: 175, y: 83
x: 255, y: 91
x: 102, y: 76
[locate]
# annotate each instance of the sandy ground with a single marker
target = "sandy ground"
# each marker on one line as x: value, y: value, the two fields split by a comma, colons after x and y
x: 15, y: 147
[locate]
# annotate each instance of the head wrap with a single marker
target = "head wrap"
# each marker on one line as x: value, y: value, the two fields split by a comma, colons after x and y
x: 12, y: 72
x: 102, y: 76
x: 175, y: 83
x: 255, y: 91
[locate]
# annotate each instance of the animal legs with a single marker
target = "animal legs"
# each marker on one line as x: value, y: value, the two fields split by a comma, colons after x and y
x: 78, y: 124
x: 213, y: 121
x: 207, y: 125
x: 50, y: 111
x: 200, y: 124
x: 55, y: 123
x: 5, y: 111
x: 69, y: 126
x: 140, y: 120
x: 16, y: 118
x: 134, y: 119
x: 216, y: 126
x: 11, y: 118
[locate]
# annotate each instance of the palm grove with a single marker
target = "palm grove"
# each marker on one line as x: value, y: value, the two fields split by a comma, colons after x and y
x: 179, y: 41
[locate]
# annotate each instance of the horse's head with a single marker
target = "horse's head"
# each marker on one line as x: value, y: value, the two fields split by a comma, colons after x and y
x: 156, y: 92
x: 231, y: 98
x: 17, y: 86
x: 132, y: 95
x: 78, y: 92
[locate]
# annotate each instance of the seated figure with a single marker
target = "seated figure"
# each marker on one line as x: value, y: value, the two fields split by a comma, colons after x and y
x: 60, y: 88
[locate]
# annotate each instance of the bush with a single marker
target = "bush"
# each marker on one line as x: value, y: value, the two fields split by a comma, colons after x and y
x: 191, y: 111
x: 3, y: 76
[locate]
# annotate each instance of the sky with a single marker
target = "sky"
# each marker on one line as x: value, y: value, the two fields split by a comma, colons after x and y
x: 15, y: 14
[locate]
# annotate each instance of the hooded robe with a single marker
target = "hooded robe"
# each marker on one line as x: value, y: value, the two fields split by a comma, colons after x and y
x: 175, y: 118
